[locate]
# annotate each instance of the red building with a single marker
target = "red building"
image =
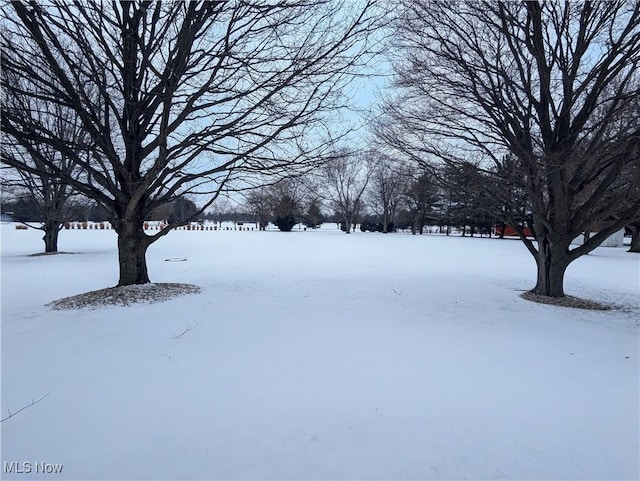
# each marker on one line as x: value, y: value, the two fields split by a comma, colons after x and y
x: 510, y: 231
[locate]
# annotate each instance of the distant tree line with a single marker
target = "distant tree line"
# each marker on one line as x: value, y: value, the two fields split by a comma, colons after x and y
x: 382, y: 194
x: 26, y: 208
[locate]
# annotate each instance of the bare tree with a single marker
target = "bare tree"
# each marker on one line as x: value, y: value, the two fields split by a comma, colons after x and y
x: 222, y: 210
x: 51, y: 200
x: 258, y: 203
x: 281, y: 202
x: 181, y: 98
x: 344, y: 179
x: 51, y: 194
x: 548, y: 83
x: 386, y: 188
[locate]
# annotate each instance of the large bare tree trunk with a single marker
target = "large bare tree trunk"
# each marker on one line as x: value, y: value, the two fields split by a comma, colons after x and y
x: 50, y: 238
x: 552, y: 264
x: 132, y: 250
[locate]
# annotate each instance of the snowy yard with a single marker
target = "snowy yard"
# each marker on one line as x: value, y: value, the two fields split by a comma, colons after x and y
x: 316, y: 355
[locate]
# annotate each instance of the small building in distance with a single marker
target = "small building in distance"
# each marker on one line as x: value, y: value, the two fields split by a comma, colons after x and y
x: 614, y: 240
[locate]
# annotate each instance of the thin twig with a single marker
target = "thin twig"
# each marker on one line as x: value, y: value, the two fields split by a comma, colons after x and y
x: 189, y: 327
x: 22, y: 409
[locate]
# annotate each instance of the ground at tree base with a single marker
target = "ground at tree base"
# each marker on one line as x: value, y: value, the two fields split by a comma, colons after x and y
x: 38, y: 254
x: 125, y: 295
x: 566, y: 301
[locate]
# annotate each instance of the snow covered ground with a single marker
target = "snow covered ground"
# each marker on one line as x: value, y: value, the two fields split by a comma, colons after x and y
x: 317, y: 355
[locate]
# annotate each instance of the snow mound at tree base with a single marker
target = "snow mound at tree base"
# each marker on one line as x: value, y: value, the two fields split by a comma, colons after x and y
x: 566, y: 301
x: 125, y: 295
x: 49, y: 253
